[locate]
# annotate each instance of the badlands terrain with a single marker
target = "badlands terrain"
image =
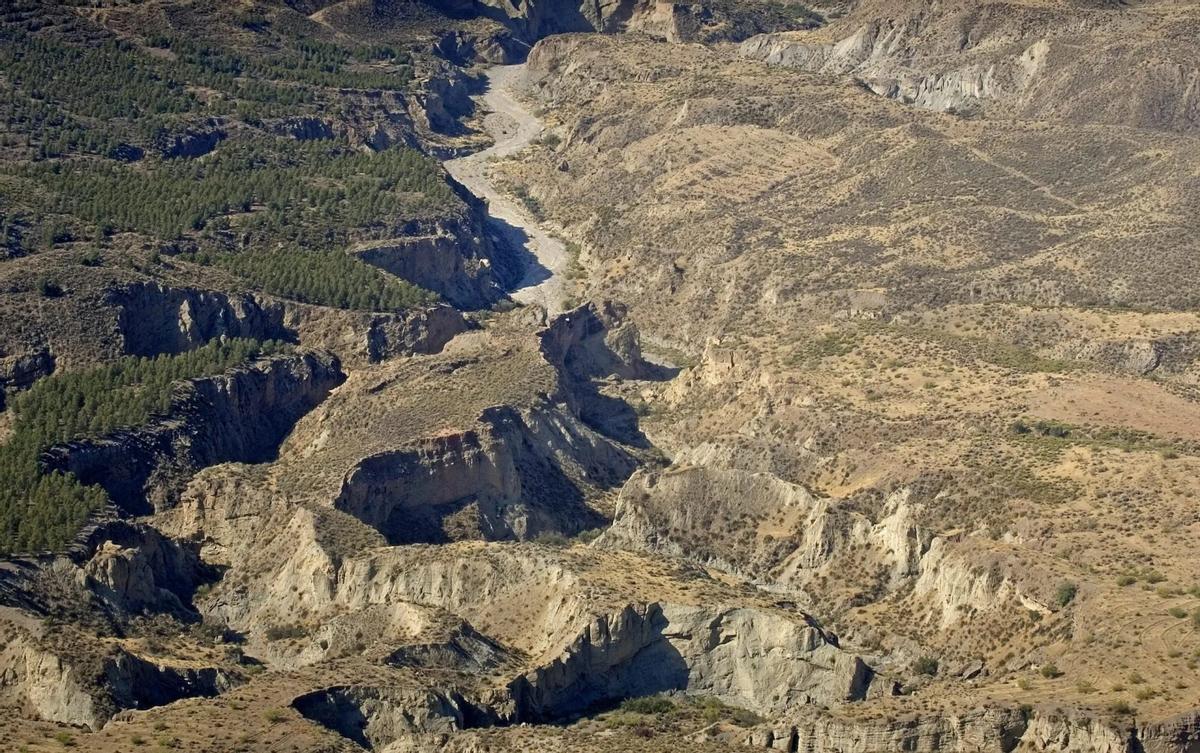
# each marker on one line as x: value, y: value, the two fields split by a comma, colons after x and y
x: 475, y: 375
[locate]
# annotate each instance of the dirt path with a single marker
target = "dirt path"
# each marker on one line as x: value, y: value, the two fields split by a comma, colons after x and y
x: 514, y: 127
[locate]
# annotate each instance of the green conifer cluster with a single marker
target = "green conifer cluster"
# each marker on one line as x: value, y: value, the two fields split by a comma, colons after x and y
x: 328, y: 278
x: 295, y: 185
x: 41, y: 511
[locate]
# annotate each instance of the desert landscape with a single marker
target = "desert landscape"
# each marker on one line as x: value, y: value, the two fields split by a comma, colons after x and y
x: 481, y: 375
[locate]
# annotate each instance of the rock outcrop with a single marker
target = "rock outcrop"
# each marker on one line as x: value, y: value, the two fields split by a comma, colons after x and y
x: 377, y: 717
x: 19, y: 372
x: 438, y: 263
x: 153, y: 318
x: 515, y: 475
x: 1007, y: 59
x: 755, y: 659
x: 134, y: 569
x: 88, y: 691
x: 497, y: 48
x: 662, y: 19
x: 988, y: 730
x: 48, y: 686
x: 456, y: 258
x: 190, y: 143
x: 760, y: 527
x: 241, y: 415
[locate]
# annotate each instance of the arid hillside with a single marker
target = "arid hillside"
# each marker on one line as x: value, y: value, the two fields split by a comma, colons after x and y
x: 474, y: 375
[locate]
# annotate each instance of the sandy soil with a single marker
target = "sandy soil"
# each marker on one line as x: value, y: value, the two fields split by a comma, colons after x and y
x: 514, y: 127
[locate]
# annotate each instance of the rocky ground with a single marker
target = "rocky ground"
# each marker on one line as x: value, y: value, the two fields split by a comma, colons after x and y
x: 811, y: 379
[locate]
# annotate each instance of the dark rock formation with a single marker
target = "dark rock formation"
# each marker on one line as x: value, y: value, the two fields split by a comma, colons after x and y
x: 462, y: 48
x: 446, y: 98
x: 239, y: 416
x: 134, y: 682
x: 416, y: 331
x: 304, y: 129
x: 597, y: 341
x: 375, y: 717
x: 154, y: 319
x: 19, y: 372
x: 191, y: 143
x: 513, y: 476
x: 455, y: 258
x: 466, y: 650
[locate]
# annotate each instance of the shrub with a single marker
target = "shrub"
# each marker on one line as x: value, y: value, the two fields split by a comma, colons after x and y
x: 49, y: 288
x: 1065, y: 594
x: 284, y: 632
x: 1122, y: 708
x: 589, y: 535
x: 551, y: 538
x: 655, y: 704
x: 1050, y: 671
x: 926, y: 665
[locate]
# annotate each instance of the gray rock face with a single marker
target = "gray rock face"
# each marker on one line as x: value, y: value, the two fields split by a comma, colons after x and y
x: 153, y: 318
x: 134, y: 569
x: 993, y: 730
x: 190, y: 143
x: 136, y: 683
x: 985, y: 730
x: 465, y: 650
x: 462, y: 48
x: 712, y: 515
x: 514, y: 476
x: 376, y: 717
x: 56, y: 688
x: 1008, y: 59
x: 595, y: 340
x: 46, y: 684
x: 762, y: 661
x: 241, y: 415
x: 455, y: 258
x: 1179, y: 734
x: 19, y: 372
x: 418, y: 331
x: 767, y: 662
x: 438, y: 263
